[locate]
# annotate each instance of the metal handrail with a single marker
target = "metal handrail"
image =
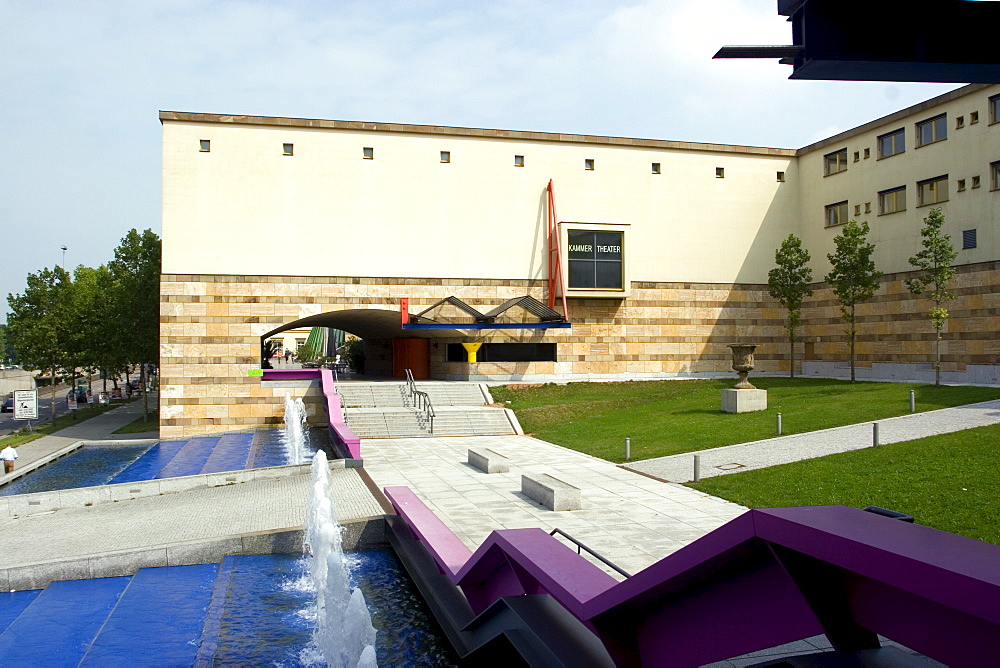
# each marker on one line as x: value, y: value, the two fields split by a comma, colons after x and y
x: 411, y: 386
x: 579, y: 545
x: 424, y: 402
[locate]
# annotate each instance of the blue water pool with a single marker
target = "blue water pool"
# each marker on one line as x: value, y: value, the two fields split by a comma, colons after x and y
x: 94, y: 465
x: 267, y: 619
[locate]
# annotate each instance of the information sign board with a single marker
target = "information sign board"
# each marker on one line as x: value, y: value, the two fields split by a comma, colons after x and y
x: 25, y: 404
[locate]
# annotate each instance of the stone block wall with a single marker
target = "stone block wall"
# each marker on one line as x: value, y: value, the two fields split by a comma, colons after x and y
x: 211, y: 328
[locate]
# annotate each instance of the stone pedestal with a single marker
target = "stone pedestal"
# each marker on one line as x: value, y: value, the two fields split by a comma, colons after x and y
x: 743, y: 401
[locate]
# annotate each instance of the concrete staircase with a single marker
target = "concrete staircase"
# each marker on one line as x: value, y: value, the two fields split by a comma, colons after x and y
x: 383, y: 410
x: 389, y: 395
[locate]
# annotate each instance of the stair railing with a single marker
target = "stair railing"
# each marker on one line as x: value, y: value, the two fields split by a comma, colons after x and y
x: 423, y: 402
x: 607, y: 562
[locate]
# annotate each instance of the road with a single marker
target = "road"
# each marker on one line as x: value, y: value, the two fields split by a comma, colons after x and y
x: 9, y: 424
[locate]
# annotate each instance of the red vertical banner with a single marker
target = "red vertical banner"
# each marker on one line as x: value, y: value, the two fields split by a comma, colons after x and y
x: 404, y: 311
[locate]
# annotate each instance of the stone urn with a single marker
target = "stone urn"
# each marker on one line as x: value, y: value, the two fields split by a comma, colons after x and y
x: 743, y: 363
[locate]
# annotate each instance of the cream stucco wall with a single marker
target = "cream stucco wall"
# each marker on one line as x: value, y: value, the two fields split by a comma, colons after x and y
x: 244, y: 208
x: 966, y: 152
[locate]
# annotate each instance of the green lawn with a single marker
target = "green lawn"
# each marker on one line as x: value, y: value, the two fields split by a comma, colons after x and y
x: 948, y: 482
x: 141, y: 425
x: 670, y: 417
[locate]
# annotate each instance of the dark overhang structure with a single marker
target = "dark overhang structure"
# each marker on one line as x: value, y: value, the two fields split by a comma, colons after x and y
x: 948, y: 41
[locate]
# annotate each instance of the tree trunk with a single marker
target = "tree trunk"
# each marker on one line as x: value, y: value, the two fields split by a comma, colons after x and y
x: 52, y: 388
x: 791, y: 356
x: 145, y: 393
x: 937, y: 359
x: 854, y: 332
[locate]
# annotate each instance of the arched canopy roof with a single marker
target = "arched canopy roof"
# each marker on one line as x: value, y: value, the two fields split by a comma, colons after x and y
x: 366, y: 323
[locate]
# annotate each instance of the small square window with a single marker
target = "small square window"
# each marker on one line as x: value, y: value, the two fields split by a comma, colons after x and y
x: 975, y: 181
x: 857, y: 156
x: 656, y: 168
x: 588, y: 164
x: 857, y: 209
x: 868, y: 207
x: 720, y: 172
x: 968, y: 239
x: 205, y: 145
x: 868, y: 153
x: 287, y: 149
x: 368, y: 153
x: 445, y: 156
x: 519, y: 161
x: 961, y: 185
x: 973, y: 117
x: 959, y: 122
x: 781, y: 177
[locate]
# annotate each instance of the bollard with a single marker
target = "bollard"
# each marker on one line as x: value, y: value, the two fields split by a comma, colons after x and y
x: 697, y: 468
x: 628, y: 449
x: 913, y: 401
x: 779, y: 424
x: 874, y: 434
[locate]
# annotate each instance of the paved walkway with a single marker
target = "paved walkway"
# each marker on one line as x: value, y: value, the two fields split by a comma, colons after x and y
x: 785, y: 449
x: 628, y: 518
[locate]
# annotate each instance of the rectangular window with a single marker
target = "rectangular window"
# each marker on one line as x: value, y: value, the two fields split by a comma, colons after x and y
x: 868, y: 153
x: 932, y: 130
x: 932, y: 191
x: 656, y: 168
x: 781, y: 177
x: 206, y: 145
x: 868, y: 207
x: 995, y: 109
x: 588, y: 164
x: 857, y: 156
x: 519, y: 161
x: 959, y: 122
x: 368, y: 153
x: 892, y: 143
x: 720, y: 172
x: 973, y: 117
x: 857, y: 209
x: 836, y: 214
x: 995, y: 175
x: 892, y: 201
x: 975, y: 181
x: 445, y: 156
x: 968, y: 239
x: 287, y: 149
x: 836, y: 162
x: 595, y: 260
x: 961, y: 185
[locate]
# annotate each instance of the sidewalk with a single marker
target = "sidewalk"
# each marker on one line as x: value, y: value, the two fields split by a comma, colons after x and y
x: 97, y: 428
x: 786, y: 449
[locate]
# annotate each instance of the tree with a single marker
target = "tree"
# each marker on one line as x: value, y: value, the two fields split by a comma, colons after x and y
x: 40, y: 324
x: 853, y: 277
x: 935, y: 261
x: 789, y: 283
x: 135, y: 272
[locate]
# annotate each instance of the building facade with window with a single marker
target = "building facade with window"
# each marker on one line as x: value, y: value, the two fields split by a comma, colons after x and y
x: 663, y: 246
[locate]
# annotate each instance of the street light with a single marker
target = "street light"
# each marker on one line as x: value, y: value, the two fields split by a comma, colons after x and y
x: 64, y: 256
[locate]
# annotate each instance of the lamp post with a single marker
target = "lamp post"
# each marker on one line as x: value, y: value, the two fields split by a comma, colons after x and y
x: 64, y: 256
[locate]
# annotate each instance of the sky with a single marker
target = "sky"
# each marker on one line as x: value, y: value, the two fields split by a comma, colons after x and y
x: 82, y: 81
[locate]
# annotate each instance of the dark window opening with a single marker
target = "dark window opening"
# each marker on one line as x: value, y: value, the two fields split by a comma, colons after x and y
x: 595, y: 260
x: 505, y: 352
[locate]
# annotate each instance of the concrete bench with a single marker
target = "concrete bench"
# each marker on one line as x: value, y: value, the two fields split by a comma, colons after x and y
x: 551, y: 492
x: 488, y: 461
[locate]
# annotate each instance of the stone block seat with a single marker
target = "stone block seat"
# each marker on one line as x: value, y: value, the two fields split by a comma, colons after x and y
x: 488, y: 461
x: 551, y: 492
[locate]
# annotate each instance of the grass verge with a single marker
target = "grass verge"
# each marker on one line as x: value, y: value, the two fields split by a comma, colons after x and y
x: 947, y: 482
x: 39, y: 429
x: 141, y: 425
x: 670, y: 417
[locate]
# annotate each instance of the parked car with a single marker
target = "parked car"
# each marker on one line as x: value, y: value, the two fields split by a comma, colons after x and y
x: 8, y: 405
